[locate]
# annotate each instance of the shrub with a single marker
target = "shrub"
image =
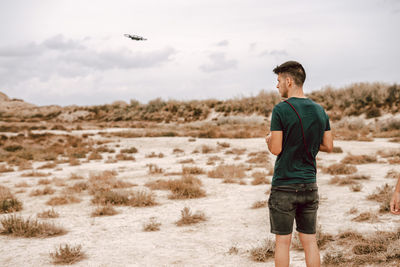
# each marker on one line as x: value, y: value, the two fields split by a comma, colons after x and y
x: 152, y: 225
x: 259, y: 204
x: 8, y: 203
x: 186, y: 187
x: 106, y: 210
x: 188, y: 218
x: 154, y: 169
x: 264, y: 252
x: 358, y: 159
x: 44, y: 182
x: 340, y: 168
x: 142, y: 199
x: 130, y: 150
x: 337, y: 149
x: 122, y: 156
x: 94, y: 156
x: 62, y: 200
x: 48, y: 165
x: 48, y: 214
x: 258, y: 158
x: 356, y: 187
x: 4, y: 168
x: 366, y: 216
x: 111, y: 198
x: 18, y: 226
x: 186, y: 161
x: 192, y: 170
x: 35, y: 174
x: 227, y: 171
x: 67, y: 254
x: 158, y: 185
x: 382, y: 195
x: 45, y: 191
x: 260, y: 178
x: 393, y: 174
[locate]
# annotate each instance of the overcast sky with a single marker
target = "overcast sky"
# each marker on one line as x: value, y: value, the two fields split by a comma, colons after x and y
x: 73, y: 52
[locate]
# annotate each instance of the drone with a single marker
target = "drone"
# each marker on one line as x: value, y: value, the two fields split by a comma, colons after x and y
x: 135, y: 37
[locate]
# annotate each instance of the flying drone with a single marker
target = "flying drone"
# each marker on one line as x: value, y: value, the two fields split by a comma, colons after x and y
x: 135, y: 37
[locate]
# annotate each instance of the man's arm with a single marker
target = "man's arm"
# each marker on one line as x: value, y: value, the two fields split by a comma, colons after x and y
x: 274, y: 141
x: 327, y: 142
x: 395, y: 202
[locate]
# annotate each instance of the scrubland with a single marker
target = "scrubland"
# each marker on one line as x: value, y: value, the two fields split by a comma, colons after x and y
x: 186, y: 183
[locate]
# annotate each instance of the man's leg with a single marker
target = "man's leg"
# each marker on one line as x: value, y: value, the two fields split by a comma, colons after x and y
x: 282, y: 246
x: 311, y: 250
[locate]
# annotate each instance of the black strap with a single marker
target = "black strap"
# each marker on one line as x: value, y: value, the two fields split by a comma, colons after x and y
x: 302, y: 132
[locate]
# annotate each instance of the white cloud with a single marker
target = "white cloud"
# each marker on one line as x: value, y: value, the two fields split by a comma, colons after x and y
x: 219, y: 62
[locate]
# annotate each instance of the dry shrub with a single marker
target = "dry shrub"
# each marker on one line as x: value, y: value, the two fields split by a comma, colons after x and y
x: 41, y: 192
x: 75, y: 176
x: 359, y: 177
x: 95, y: 156
x: 186, y: 187
x: 44, y: 182
x: 67, y: 254
x: 259, y: 158
x: 263, y: 252
x: 227, y: 171
x: 110, y: 159
x: 24, y: 165
x: 230, y: 181
x: 383, y: 195
x: 22, y: 184
x: 223, y: 144
x: 334, y: 258
x: 135, y: 199
x: 192, y: 170
x: 74, y: 161
x: 152, y: 226
x: 207, y: 149
x: 142, y: 199
x: 186, y: 161
x: 356, y: 187
x: 358, y: 159
x: 393, y: 174
x: 260, y: 178
x: 107, y: 210
x: 236, y: 151
x: 58, y: 181
x: 4, y: 168
x: 48, y: 214
x: 192, y: 140
x: 337, y: 149
x: 154, y: 155
x: 353, y: 210
x: 177, y: 151
x: 233, y: 250
x: 105, y: 181
x: 122, y: 156
x: 259, y: 204
x: 62, y: 200
x: 8, y: 203
x: 366, y: 216
x: 188, y: 218
x: 78, y: 187
x: 130, y: 150
x: 158, y: 185
x: 18, y: 226
x: 154, y: 169
x: 48, y: 165
x: 35, y: 174
x: 340, y: 168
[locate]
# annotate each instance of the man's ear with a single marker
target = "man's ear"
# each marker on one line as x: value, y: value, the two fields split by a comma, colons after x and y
x: 288, y: 81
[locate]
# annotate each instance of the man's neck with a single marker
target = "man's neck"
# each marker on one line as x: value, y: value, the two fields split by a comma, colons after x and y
x: 296, y: 92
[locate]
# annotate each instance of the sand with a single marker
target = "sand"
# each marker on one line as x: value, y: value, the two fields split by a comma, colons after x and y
x: 119, y: 240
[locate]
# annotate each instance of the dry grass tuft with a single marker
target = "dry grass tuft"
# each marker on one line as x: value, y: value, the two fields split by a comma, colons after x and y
x: 236, y: 151
x: 207, y: 149
x: 75, y: 176
x: 261, y: 158
x: 260, y: 178
x: 48, y: 214
x: 142, y: 199
x: 188, y: 218
x: 393, y: 174
x: 41, y: 192
x: 186, y: 161
x: 154, y: 169
x: 227, y: 171
x: 105, y: 181
x: 356, y: 187
x: 223, y: 144
x: 130, y: 150
x: 259, y: 204
x: 154, y: 155
x: 8, y: 203
x: 44, y: 182
x: 158, y: 185
x: 337, y: 149
x: 18, y: 226
x: 63, y: 200
x: 107, y: 210
x: 152, y: 226
x: 358, y: 159
x: 124, y: 157
x: 78, y: 187
x: 340, y: 168
x: 67, y: 254
x: 22, y: 184
x: 4, y: 168
x: 95, y: 156
x: 186, y: 187
x: 135, y: 199
x: 382, y: 195
x: 192, y: 170
x: 49, y: 165
x: 35, y: 174
x: 264, y: 252
x: 74, y: 161
x: 366, y: 216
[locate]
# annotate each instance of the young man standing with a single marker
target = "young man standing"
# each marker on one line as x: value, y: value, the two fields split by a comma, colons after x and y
x: 299, y: 129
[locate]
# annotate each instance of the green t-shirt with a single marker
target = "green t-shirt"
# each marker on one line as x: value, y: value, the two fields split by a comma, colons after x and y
x: 293, y: 165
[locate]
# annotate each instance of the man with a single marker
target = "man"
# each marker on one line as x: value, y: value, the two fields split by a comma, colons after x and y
x: 299, y: 129
x: 395, y: 202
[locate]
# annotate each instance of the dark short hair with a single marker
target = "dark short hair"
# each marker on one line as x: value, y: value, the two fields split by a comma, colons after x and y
x: 294, y: 69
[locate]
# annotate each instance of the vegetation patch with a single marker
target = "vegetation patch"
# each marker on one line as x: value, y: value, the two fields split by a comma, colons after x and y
x: 382, y: 195
x: 67, y: 254
x: 264, y: 252
x: 358, y: 159
x: 18, y: 226
x: 340, y: 168
x: 8, y: 203
x: 227, y: 171
x: 152, y: 225
x: 188, y: 218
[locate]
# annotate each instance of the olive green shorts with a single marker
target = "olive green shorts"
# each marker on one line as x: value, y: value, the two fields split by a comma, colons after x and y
x: 293, y: 202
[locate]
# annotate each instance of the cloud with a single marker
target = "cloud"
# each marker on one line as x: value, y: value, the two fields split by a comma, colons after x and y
x: 59, y: 56
x: 274, y: 53
x: 223, y: 43
x: 219, y: 62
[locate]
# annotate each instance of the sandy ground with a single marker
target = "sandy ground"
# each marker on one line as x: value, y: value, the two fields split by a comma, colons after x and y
x: 120, y: 241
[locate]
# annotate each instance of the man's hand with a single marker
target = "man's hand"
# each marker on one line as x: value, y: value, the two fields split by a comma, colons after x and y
x: 267, y: 138
x: 395, y: 203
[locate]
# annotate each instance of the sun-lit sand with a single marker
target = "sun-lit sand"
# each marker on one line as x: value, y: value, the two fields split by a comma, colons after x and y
x: 119, y: 240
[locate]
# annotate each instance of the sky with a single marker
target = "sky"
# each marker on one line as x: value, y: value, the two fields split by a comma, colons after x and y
x: 68, y: 52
